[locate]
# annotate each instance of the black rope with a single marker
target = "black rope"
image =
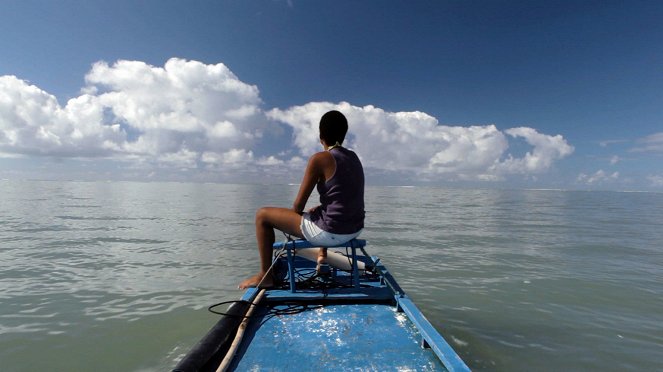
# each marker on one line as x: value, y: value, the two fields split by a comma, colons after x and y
x: 212, y: 310
x: 306, y: 278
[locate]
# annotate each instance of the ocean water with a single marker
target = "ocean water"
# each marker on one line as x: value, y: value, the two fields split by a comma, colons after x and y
x: 116, y: 276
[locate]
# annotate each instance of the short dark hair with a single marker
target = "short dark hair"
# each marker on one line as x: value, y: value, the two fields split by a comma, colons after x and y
x: 333, y: 127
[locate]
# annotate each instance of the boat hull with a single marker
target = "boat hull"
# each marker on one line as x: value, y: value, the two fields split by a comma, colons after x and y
x: 345, y: 321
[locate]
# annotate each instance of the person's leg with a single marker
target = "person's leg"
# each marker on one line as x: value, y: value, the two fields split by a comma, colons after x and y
x: 268, y: 219
x: 322, y: 256
x: 322, y: 268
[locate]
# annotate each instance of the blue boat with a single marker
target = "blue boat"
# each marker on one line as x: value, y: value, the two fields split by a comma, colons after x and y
x: 353, y: 319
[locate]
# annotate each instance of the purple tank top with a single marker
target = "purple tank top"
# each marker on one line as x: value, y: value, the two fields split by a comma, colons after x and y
x: 342, y: 196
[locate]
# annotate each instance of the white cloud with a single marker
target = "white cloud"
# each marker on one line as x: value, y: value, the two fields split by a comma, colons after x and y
x: 191, y: 115
x: 546, y: 150
x: 167, y: 115
x: 270, y: 161
x: 597, y: 178
x: 183, y: 159
x: 232, y: 158
x: 615, y: 159
x: 607, y: 143
x: 414, y: 141
x: 651, y: 143
x: 185, y: 104
x: 32, y: 123
x: 655, y: 180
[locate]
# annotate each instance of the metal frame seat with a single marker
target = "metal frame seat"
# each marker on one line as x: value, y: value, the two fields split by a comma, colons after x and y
x: 291, y: 245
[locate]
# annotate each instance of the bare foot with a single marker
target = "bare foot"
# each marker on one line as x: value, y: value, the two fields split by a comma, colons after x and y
x: 255, y: 280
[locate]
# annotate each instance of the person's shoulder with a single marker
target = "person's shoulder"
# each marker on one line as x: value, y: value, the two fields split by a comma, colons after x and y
x: 321, y: 157
x: 353, y: 154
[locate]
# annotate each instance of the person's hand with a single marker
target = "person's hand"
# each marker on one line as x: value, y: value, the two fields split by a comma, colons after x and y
x: 313, y: 209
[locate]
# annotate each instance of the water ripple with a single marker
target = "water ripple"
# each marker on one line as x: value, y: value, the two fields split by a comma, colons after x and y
x: 515, y: 278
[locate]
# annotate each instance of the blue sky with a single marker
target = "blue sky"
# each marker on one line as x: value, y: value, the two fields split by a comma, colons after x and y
x: 554, y: 94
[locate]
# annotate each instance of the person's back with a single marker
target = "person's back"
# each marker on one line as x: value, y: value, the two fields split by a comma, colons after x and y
x: 341, y: 208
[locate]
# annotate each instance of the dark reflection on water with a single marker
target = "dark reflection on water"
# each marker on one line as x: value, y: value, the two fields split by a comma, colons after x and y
x: 513, y: 278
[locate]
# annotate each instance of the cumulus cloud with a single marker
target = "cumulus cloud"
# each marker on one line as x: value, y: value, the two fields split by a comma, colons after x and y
x: 171, y: 114
x: 234, y: 158
x: 415, y: 141
x: 33, y: 123
x: 184, y: 105
x: 597, y: 178
x: 191, y: 115
x: 546, y: 150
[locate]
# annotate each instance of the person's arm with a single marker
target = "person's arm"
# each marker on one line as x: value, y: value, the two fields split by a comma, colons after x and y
x: 314, y: 171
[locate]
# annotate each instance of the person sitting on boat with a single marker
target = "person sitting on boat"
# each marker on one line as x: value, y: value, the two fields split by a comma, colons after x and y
x: 339, y: 176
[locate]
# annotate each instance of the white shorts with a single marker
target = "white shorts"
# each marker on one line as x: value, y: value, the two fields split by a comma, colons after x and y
x: 318, y: 236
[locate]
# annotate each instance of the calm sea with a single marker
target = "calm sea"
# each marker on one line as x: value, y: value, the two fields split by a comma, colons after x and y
x: 114, y: 276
